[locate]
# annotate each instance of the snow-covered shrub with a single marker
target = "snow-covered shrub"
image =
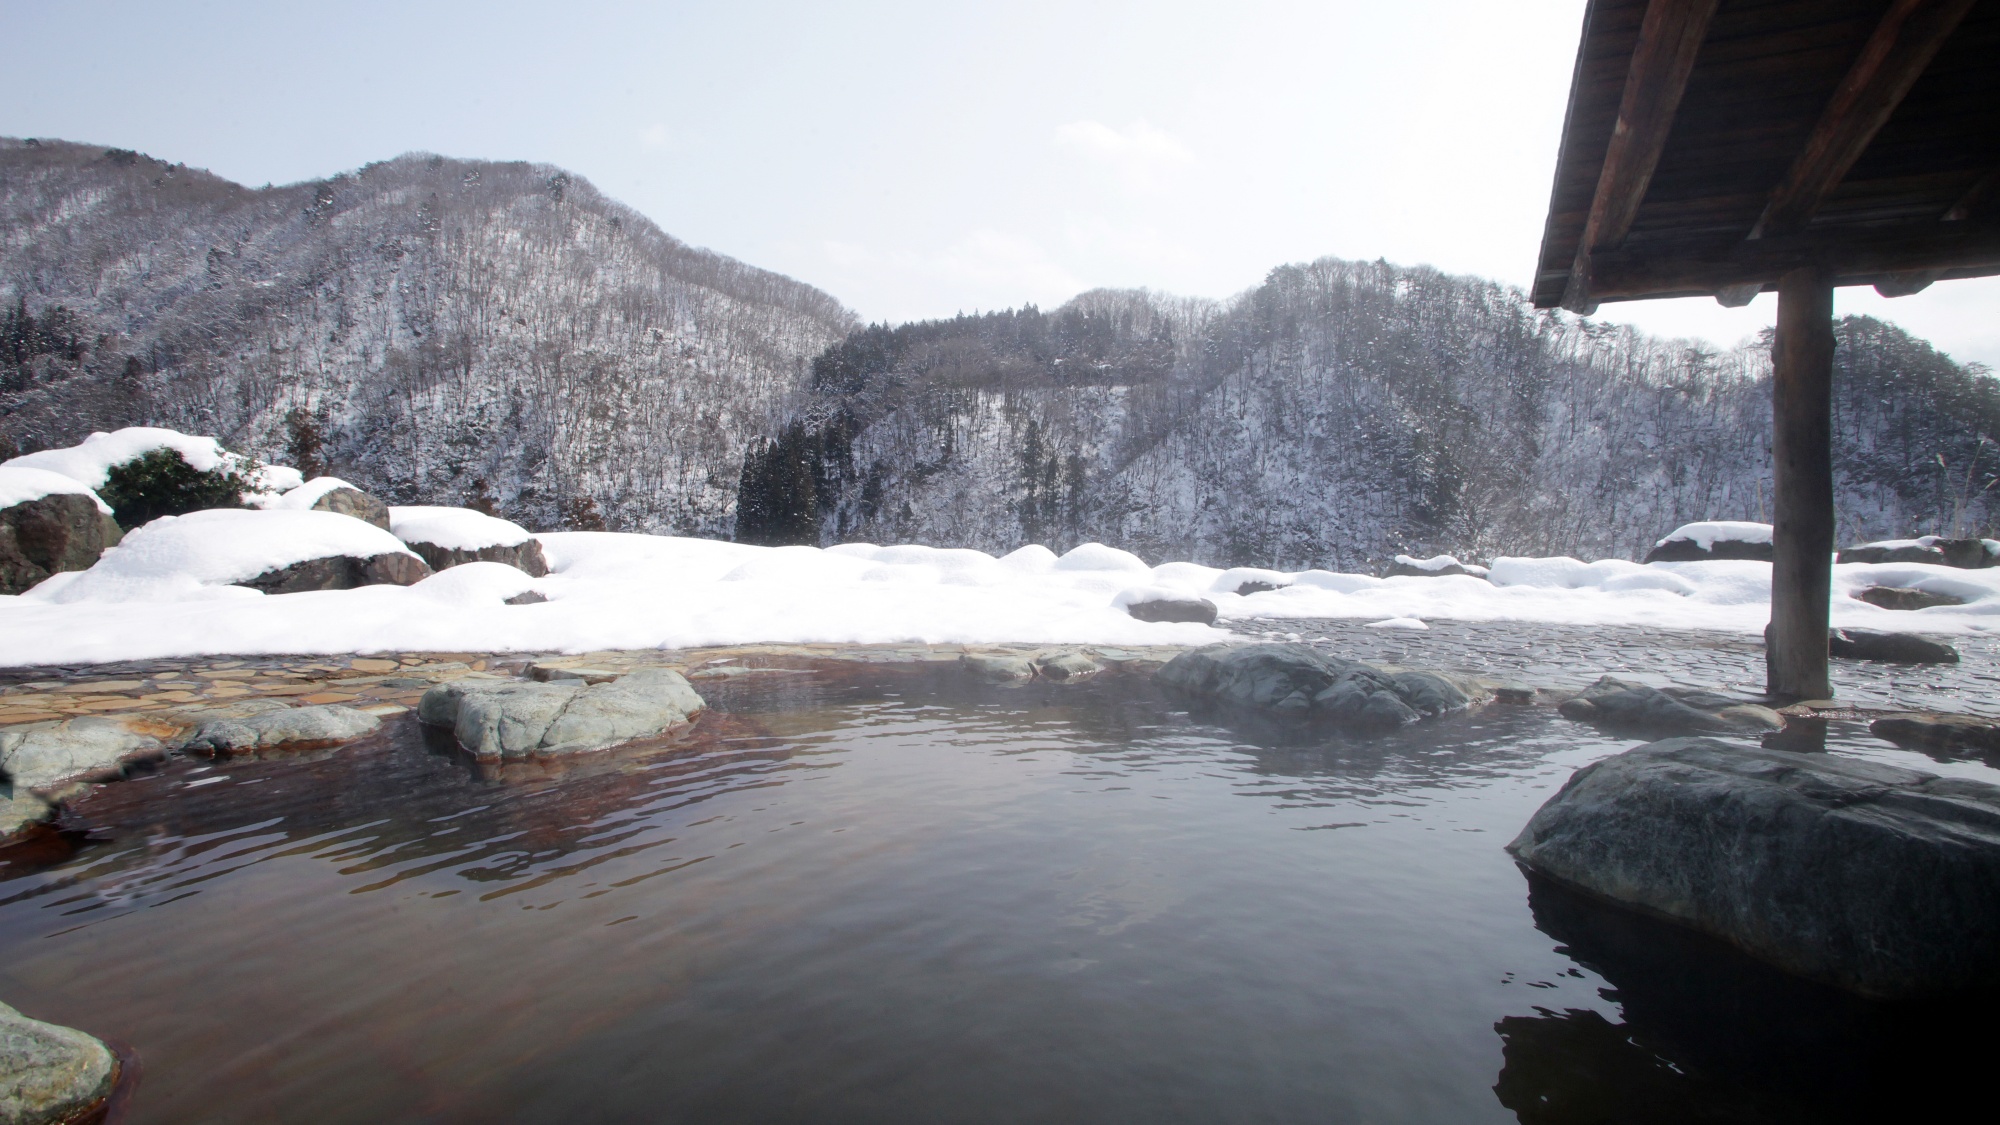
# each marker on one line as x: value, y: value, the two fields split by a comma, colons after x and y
x: 160, y: 482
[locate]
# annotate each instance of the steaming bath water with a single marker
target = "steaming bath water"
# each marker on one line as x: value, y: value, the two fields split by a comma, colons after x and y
x: 895, y: 895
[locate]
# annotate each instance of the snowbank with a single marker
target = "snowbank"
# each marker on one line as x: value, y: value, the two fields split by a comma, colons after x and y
x: 199, y: 555
x: 20, y: 484
x: 457, y: 529
x: 1706, y: 533
x: 165, y: 593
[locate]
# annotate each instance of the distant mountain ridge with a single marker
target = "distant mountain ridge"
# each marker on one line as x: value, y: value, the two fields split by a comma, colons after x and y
x: 500, y: 334
x: 433, y: 329
x: 1336, y: 415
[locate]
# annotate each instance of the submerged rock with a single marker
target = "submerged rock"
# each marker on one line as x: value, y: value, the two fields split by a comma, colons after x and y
x: 50, y: 534
x: 1904, y: 598
x: 298, y: 728
x: 341, y: 572
x: 1617, y: 703
x: 1939, y: 734
x: 1064, y: 667
x: 47, y: 757
x: 1882, y: 880
x: 999, y: 667
x: 513, y: 719
x: 48, y: 1073
x: 1303, y: 682
x: 1894, y: 648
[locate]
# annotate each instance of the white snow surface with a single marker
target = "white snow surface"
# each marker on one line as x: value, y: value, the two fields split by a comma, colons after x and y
x: 20, y: 484
x: 198, y: 556
x: 1705, y: 533
x: 455, y: 529
x: 1435, y: 562
x: 164, y: 593
x: 303, y: 497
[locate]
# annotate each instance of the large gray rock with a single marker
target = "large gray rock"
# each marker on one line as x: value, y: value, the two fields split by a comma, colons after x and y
x: 526, y: 556
x: 1688, y: 550
x: 22, y: 809
x: 58, y: 532
x: 1198, y: 610
x: 1066, y: 667
x: 998, y: 667
x: 288, y: 728
x: 1303, y: 682
x: 513, y: 719
x: 1905, y: 598
x: 48, y: 757
x: 1966, y: 554
x: 1615, y: 703
x: 341, y: 572
x: 356, y: 503
x: 1941, y: 735
x: 1881, y: 880
x: 1893, y: 648
x: 50, y: 1074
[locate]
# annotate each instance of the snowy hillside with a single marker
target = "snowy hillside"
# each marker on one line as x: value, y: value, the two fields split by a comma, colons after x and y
x: 460, y: 332
x: 1336, y: 416
x: 434, y: 330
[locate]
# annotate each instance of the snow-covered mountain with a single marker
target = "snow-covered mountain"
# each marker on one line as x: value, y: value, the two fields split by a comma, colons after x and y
x: 443, y: 332
x: 435, y: 330
x: 1339, y: 414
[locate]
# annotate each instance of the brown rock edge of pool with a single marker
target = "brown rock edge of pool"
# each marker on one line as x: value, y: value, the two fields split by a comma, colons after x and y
x: 1881, y: 880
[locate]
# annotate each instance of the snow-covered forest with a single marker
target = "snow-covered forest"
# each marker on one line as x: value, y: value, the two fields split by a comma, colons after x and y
x: 501, y: 335
x: 1336, y: 415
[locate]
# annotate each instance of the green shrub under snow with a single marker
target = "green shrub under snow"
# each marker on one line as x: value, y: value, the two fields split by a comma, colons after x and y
x: 160, y: 483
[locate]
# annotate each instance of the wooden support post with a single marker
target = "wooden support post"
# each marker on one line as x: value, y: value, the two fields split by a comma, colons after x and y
x: 1801, y: 488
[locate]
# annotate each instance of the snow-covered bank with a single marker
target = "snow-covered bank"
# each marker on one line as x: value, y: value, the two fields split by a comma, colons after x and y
x: 609, y: 590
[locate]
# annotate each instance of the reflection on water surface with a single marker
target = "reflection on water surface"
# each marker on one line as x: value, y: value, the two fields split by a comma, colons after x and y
x: 892, y: 895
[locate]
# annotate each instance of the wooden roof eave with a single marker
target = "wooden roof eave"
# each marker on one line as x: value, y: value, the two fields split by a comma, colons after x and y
x: 1586, y: 258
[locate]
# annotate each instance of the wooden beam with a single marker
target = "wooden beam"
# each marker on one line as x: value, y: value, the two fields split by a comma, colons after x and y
x: 1973, y: 197
x: 1662, y: 59
x: 1795, y: 652
x: 1850, y: 256
x: 1890, y: 63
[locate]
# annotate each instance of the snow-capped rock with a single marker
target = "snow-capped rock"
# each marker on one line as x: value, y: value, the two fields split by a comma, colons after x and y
x: 448, y: 537
x: 1714, y: 539
x: 49, y: 524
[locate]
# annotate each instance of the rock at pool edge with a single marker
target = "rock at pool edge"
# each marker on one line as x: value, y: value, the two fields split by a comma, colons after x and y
x: 49, y: 1073
x: 1881, y: 880
x: 514, y: 719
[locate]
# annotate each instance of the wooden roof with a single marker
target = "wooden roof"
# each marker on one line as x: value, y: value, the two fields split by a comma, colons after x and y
x: 1756, y: 136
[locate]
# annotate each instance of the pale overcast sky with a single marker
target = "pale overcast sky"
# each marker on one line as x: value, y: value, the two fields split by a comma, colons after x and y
x: 913, y: 159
